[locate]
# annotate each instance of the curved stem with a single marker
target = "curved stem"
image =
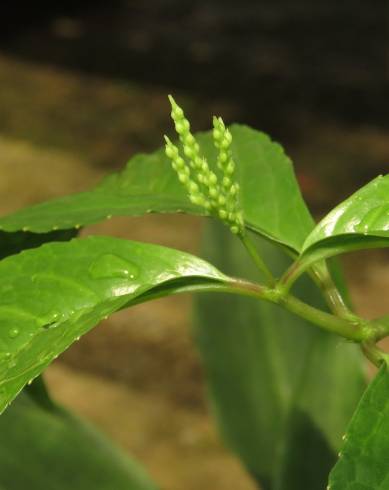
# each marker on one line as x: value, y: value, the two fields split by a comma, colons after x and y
x: 376, y: 355
x: 291, y: 274
x: 331, y: 323
x: 326, y: 321
x: 252, y: 251
x: 320, y: 274
x: 335, y: 301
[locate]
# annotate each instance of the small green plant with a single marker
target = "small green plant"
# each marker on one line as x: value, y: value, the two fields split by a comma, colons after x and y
x: 288, y: 398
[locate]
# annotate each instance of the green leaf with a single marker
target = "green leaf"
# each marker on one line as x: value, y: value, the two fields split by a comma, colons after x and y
x: 272, y: 202
x: 13, y: 243
x: 363, y: 461
x: 51, y: 295
x: 361, y: 221
x: 277, y: 385
x: 42, y: 446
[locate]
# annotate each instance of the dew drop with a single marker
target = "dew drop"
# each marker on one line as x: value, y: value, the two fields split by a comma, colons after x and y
x: 14, y: 332
x: 4, y: 356
x: 11, y: 364
x: 50, y: 325
x: 51, y: 320
x: 109, y: 266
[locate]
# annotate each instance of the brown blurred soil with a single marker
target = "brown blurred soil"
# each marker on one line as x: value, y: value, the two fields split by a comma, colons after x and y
x: 138, y: 375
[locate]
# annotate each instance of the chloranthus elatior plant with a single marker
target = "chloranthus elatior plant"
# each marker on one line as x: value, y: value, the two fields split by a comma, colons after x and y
x: 283, y: 350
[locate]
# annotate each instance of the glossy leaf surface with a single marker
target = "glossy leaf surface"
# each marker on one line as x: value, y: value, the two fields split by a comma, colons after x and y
x: 51, y: 295
x: 361, y: 221
x: 278, y: 385
x: 271, y: 200
x: 15, y: 242
x: 43, y: 446
x: 363, y: 462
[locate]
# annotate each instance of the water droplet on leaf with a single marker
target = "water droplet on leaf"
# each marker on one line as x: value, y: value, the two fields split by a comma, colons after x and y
x: 110, y: 266
x: 4, y: 355
x: 11, y: 364
x: 14, y: 332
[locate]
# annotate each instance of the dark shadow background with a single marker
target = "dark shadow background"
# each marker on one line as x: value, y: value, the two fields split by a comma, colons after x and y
x: 271, y: 57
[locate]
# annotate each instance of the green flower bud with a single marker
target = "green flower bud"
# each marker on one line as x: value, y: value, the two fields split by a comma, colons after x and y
x: 198, y: 162
x: 217, y: 135
x: 227, y: 182
x: 213, y: 192
x: 177, y: 112
x: 220, y: 200
x: 223, y: 157
x: 212, y: 179
x: 189, y: 152
x: 170, y: 152
x: 227, y: 137
x: 230, y: 168
x: 233, y: 190
x: 193, y: 187
x: 189, y: 139
x: 180, y: 128
x: 180, y: 162
x: 196, y: 199
x: 225, y: 144
x: 183, y: 178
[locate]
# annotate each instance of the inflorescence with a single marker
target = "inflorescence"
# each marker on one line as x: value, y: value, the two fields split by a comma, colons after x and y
x: 219, y: 197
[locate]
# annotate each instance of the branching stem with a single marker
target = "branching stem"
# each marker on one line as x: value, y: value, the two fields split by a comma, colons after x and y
x: 348, y: 329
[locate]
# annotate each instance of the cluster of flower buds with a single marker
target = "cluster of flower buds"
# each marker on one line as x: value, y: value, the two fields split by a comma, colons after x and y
x: 204, y: 189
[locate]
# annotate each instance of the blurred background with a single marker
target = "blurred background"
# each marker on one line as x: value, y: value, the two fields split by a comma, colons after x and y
x: 83, y: 87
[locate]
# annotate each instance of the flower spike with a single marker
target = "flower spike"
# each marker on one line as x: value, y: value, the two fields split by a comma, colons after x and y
x: 220, y: 199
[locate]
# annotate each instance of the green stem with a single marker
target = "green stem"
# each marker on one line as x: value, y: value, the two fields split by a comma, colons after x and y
x: 252, y: 251
x: 376, y: 355
x: 291, y: 274
x: 357, y: 331
x: 335, y: 301
x: 326, y: 321
x: 380, y: 329
x: 320, y: 274
x: 341, y: 326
